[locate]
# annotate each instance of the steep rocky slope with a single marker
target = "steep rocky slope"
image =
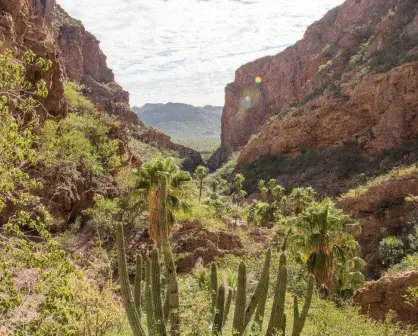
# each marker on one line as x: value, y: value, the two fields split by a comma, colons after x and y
x: 75, y: 55
x: 84, y: 62
x: 50, y: 32
x: 26, y: 25
x: 352, y: 80
x: 382, y: 211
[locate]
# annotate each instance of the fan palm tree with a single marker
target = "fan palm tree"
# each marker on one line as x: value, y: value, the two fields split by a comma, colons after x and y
x: 322, y: 243
x: 146, y: 186
x: 200, y: 173
x: 300, y: 198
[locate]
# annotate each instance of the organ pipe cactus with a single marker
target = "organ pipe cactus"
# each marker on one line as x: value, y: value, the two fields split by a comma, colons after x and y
x: 277, y: 310
x: 257, y: 303
x: 131, y: 311
x: 172, y: 289
x: 213, y: 284
x: 158, y: 315
x: 219, y: 311
x: 239, y: 315
x: 138, y: 280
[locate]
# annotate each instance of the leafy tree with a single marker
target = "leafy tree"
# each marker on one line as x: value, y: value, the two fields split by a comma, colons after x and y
x: 146, y: 187
x: 200, y: 173
x: 238, y: 195
x: 391, y: 250
x: 263, y: 189
x: 323, y: 245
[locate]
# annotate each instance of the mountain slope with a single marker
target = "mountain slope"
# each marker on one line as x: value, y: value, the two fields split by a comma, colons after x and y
x: 182, y: 120
x: 340, y: 102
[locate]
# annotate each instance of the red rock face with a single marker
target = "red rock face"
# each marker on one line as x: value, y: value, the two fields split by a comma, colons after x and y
x: 348, y: 78
x: 17, y: 33
x: 84, y: 62
x: 378, y: 113
x: 377, y: 298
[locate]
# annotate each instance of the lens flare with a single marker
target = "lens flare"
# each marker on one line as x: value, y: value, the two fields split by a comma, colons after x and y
x: 258, y: 79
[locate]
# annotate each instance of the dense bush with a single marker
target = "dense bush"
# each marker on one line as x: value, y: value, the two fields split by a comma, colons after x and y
x: 392, y: 250
x: 81, y: 141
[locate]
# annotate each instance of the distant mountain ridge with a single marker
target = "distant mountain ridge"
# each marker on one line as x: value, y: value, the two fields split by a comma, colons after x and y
x: 182, y: 120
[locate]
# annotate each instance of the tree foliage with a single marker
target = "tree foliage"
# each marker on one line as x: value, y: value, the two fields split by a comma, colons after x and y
x: 146, y: 187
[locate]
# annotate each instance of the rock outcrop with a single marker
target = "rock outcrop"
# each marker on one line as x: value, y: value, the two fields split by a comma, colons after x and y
x: 389, y: 293
x: 21, y: 30
x: 84, y: 62
x: 191, y: 242
x: 381, y: 211
x: 353, y: 78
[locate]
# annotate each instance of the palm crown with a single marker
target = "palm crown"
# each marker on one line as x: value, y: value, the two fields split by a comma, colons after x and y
x: 147, y: 184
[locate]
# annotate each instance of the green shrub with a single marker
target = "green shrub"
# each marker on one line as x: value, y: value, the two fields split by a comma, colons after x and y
x: 75, y: 100
x: 79, y: 142
x: 408, y: 263
x: 391, y: 250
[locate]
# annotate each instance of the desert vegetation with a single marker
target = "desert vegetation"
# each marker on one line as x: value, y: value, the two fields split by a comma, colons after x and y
x: 90, y: 243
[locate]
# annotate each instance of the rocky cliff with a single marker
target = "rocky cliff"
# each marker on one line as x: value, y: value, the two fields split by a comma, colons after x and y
x: 44, y: 28
x: 26, y: 25
x: 84, y: 62
x: 353, y: 79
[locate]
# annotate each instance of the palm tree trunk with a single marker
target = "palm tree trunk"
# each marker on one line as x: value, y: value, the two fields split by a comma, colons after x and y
x: 200, y: 190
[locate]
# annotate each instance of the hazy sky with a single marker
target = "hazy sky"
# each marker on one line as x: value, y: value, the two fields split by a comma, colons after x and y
x: 188, y: 50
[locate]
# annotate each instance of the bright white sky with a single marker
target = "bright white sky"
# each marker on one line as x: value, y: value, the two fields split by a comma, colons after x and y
x: 188, y: 50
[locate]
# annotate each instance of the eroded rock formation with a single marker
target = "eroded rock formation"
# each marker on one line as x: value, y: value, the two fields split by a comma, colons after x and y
x: 84, y: 62
x: 389, y: 293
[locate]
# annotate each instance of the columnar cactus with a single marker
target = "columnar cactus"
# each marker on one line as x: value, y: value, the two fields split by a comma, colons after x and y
x: 213, y: 285
x: 159, y: 325
x: 257, y: 303
x: 240, y: 303
x: 131, y: 311
x: 172, y: 289
x: 277, y: 311
x: 299, y: 319
x: 157, y: 314
x: 219, y: 311
x: 148, y: 298
x: 137, y: 288
x: 227, y: 306
x: 258, y: 299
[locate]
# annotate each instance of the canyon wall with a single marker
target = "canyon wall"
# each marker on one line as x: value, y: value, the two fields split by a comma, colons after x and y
x: 352, y: 78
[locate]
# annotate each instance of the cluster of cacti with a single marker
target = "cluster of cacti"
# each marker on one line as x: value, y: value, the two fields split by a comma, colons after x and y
x: 159, y: 312
x: 243, y: 312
